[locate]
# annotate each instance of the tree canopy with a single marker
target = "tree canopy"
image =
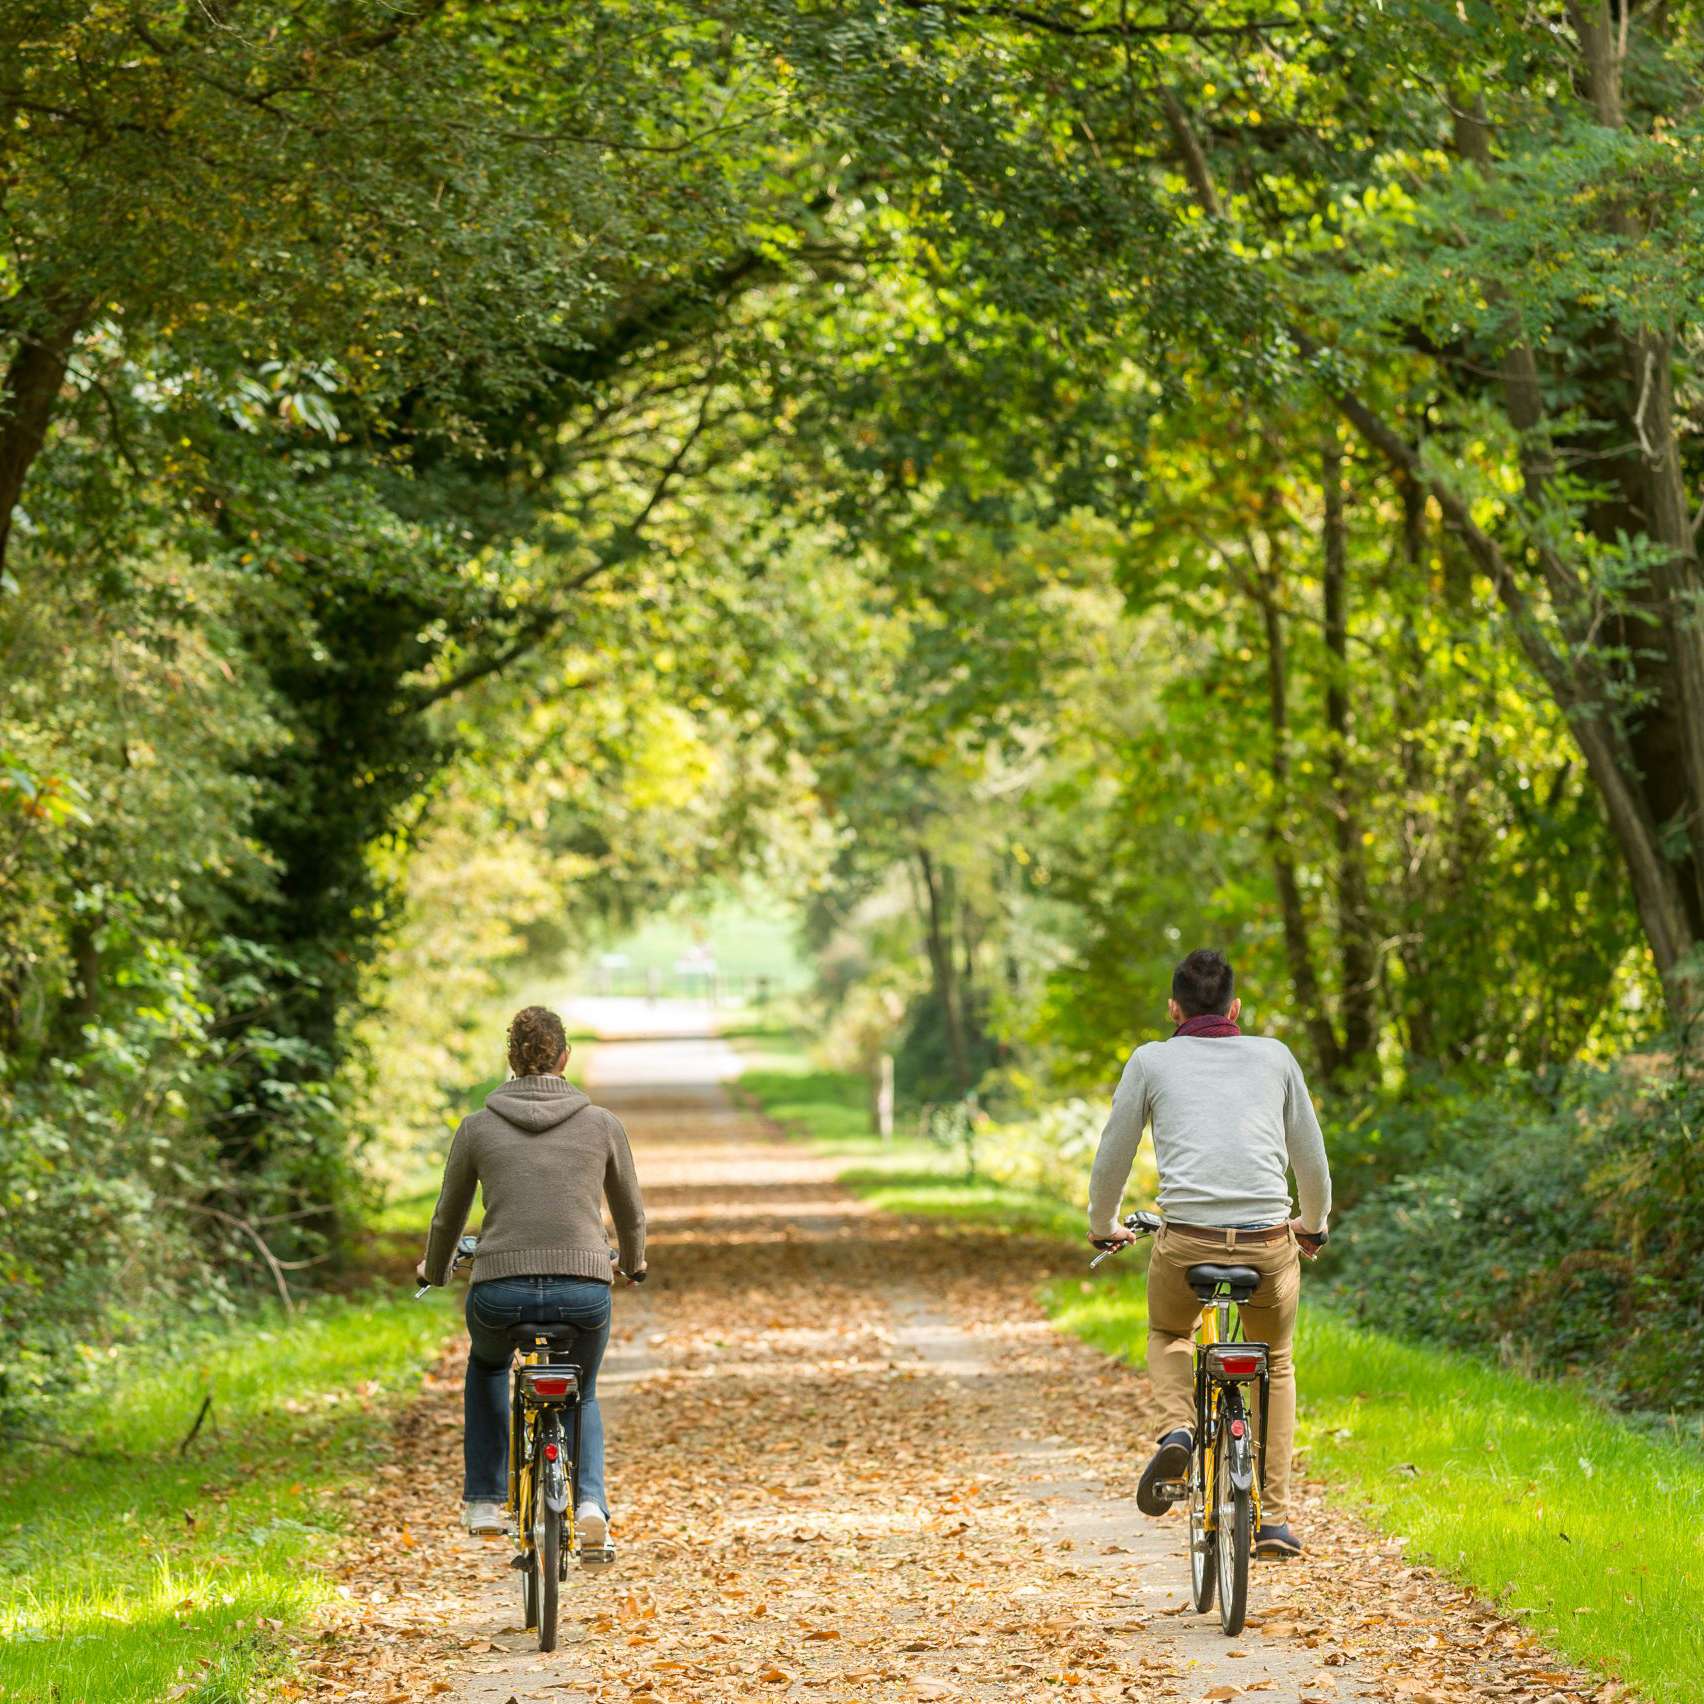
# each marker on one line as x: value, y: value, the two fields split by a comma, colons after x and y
x: 1034, y: 484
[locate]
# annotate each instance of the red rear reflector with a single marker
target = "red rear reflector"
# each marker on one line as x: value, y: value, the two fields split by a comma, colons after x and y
x: 550, y: 1452
x: 550, y: 1387
x: 1236, y: 1428
x: 1239, y: 1366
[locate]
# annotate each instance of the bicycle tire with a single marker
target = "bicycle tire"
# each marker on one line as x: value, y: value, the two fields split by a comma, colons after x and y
x: 529, y: 1590
x: 1203, y: 1562
x: 548, y: 1557
x: 529, y: 1552
x: 1234, y: 1541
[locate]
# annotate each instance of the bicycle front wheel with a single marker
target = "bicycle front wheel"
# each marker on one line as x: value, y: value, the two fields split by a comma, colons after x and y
x: 527, y: 1562
x: 529, y: 1589
x: 1201, y: 1546
x: 1233, y: 1541
x: 548, y: 1556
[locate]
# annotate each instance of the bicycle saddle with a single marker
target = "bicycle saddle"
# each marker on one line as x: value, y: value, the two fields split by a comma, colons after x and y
x: 555, y: 1332
x: 1242, y: 1281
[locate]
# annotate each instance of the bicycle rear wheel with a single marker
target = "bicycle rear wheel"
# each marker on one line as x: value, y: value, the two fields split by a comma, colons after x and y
x: 1234, y: 1539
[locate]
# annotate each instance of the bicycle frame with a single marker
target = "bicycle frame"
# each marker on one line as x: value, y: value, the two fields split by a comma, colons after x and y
x: 531, y: 1427
x: 1215, y: 1325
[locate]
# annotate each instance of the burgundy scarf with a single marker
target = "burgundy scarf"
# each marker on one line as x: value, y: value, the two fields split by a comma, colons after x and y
x: 1207, y: 1024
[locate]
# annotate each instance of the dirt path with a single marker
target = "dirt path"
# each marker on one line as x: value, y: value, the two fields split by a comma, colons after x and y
x: 851, y: 1461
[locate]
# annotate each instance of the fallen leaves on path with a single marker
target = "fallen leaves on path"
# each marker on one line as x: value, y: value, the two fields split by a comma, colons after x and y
x: 851, y: 1462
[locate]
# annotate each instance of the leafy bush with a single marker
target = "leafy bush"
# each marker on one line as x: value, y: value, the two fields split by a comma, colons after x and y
x: 120, y: 1216
x: 1558, y: 1238
x: 1051, y: 1153
x: 922, y: 1061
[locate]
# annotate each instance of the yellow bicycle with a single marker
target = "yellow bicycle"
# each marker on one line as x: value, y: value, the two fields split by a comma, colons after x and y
x: 544, y: 1457
x: 544, y: 1463
x: 1227, y: 1465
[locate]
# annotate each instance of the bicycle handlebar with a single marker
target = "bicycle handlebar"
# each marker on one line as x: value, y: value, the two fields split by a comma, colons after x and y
x: 468, y: 1247
x: 1144, y: 1224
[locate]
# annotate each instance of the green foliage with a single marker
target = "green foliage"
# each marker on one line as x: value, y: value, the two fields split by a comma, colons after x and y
x: 1570, y: 1233
x: 922, y: 1059
x: 1039, y: 488
x: 301, y: 1412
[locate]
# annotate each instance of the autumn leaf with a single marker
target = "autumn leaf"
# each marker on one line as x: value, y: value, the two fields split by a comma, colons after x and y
x: 768, y: 1510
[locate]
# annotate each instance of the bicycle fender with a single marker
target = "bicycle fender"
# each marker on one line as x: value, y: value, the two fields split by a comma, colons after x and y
x: 555, y: 1488
x: 1242, y: 1466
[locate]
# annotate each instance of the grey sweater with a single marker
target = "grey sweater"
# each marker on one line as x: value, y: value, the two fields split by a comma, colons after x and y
x: 1229, y: 1113
x: 544, y: 1158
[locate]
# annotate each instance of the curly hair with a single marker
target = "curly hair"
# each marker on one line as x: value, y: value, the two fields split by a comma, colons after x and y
x: 536, y: 1042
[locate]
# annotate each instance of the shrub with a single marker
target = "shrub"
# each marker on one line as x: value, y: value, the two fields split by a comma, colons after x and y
x: 1559, y: 1238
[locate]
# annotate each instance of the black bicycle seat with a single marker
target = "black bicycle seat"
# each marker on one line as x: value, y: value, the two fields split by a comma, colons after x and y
x: 555, y: 1332
x: 1205, y: 1280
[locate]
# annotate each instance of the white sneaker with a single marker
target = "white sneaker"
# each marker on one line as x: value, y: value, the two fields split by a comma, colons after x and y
x: 591, y: 1526
x: 484, y: 1519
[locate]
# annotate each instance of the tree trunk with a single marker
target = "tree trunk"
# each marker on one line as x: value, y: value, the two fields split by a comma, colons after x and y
x: 1657, y: 748
x: 82, y: 997
x: 1357, y: 956
x: 1422, y: 1038
x: 1654, y: 485
x: 1679, y: 587
x: 1657, y: 888
x: 944, y: 974
x: 32, y: 384
x: 1664, y: 894
x: 1297, y: 950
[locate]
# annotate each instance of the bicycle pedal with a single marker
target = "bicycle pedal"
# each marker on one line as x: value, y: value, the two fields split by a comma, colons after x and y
x: 1174, y: 1490
x: 518, y: 1561
x: 596, y: 1555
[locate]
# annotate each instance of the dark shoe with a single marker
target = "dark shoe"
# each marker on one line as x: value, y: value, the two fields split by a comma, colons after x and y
x: 1276, y: 1541
x: 1170, y: 1464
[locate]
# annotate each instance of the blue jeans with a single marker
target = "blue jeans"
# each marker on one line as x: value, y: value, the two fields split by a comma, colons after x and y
x: 492, y: 1308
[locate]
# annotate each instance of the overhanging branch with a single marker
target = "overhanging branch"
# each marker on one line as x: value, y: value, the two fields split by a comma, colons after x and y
x: 626, y: 543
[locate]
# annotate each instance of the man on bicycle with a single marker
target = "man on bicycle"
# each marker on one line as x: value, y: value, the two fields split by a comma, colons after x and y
x: 1230, y: 1114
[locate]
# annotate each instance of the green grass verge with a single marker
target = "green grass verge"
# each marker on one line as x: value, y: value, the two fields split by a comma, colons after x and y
x: 1584, y: 1526
x: 129, y: 1569
x: 1566, y: 1516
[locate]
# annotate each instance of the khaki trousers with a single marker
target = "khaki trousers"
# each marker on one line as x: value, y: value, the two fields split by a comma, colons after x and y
x: 1269, y: 1317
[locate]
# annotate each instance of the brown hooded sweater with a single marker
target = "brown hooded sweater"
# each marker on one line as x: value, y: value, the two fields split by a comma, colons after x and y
x: 544, y: 1158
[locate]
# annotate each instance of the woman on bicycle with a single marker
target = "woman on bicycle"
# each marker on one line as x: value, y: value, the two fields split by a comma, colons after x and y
x: 545, y: 1158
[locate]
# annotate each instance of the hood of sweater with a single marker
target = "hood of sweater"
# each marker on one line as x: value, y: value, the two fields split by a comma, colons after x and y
x: 536, y: 1103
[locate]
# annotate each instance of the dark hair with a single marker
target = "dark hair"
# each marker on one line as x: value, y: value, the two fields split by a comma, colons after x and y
x: 536, y: 1042
x: 1204, y: 983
